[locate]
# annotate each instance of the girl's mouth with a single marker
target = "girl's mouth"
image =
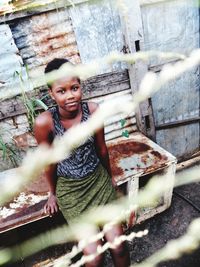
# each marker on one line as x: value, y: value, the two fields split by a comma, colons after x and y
x: 71, y: 104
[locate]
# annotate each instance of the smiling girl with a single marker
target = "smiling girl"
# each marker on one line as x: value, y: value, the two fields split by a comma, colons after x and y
x: 83, y: 180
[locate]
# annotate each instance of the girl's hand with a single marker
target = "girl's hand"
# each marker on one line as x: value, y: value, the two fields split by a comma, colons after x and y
x: 51, y: 207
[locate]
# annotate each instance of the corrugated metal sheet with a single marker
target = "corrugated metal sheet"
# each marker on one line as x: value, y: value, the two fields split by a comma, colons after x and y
x: 41, y: 38
x: 98, y: 31
x: 10, y: 64
x: 174, y: 26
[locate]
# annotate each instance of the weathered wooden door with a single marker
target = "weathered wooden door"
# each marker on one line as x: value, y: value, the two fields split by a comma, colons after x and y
x: 174, y: 26
x: 169, y: 26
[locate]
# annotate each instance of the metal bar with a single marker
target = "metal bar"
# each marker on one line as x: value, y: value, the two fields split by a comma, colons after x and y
x: 177, y: 123
x: 158, y: 68
x: 188, y: 163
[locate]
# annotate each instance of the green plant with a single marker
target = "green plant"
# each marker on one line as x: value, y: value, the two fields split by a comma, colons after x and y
x: 31, y: 104
x: 8, y: 151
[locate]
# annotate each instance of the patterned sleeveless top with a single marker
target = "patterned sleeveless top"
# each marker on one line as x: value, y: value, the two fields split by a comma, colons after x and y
x: 83, y: 160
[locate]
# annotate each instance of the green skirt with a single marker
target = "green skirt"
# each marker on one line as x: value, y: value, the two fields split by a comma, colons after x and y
x: 78, y: 195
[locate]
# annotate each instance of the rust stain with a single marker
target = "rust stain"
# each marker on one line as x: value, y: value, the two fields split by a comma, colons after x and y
x: 147, y: 159
x: 115, y: 169
x: 50, y: 39
x: 128, y: 148
x: 144, y: 159
x: 124, y: 150
x: 156, y: 154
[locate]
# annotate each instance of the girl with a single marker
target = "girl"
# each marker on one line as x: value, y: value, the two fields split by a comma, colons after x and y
x: 83, y: 180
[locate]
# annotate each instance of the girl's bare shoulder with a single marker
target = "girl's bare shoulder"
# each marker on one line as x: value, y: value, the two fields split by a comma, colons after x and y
x: 43, y: 128
x: 44, y: 120
x: 92, y: 106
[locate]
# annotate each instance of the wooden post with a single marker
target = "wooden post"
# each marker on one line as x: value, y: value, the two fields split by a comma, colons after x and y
x: 131, y: 20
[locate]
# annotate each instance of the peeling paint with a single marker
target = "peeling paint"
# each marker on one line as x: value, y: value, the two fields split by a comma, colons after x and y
x: 19, y: 203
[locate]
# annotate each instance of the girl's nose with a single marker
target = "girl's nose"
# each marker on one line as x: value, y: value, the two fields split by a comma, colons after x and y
x: 69, y: 95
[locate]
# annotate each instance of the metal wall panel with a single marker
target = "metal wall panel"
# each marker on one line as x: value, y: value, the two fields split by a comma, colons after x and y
x: 182, y: 140
x: 177, y: 100
x: 174, y: 26
x: 171, y: 26
x: 10, y: 64
x: 98, y: 31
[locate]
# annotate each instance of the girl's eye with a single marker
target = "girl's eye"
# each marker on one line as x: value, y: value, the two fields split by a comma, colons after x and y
x: 75, y: 88
x: 62, y: 91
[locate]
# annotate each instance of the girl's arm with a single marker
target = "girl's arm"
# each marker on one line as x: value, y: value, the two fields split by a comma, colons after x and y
x: 100, y: 144
x: 43, y: 131
x: 102, y: 151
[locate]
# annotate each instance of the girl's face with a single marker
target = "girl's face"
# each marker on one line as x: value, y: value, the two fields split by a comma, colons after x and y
x: 67, y: 93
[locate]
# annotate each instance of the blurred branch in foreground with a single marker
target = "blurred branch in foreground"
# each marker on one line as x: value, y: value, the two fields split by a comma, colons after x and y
x: 35, y: 162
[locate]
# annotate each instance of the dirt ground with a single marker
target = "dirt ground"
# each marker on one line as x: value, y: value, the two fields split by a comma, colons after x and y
x: 170, y: 224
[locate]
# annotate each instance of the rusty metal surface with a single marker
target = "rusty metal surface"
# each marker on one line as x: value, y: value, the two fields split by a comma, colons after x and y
x: 26, y: 207
x: 136, y: 156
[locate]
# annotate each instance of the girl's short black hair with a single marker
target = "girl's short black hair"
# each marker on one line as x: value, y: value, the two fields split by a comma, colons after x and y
x: 55, y: 64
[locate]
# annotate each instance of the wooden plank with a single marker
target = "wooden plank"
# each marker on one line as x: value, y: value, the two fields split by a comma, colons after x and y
x: 188, y: 163
x: 96, y: 86
x: 133, y: 32
x: 106, y: 84
x: 149, y: 2
x: 27, y: 12
x: 158, y: 67
x: 113, y: 127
